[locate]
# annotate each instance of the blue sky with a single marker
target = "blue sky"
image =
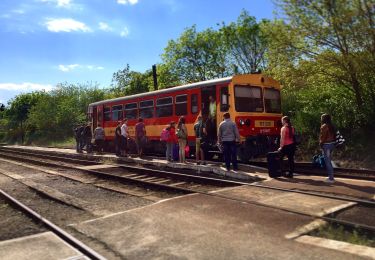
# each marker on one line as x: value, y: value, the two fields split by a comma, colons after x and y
x: 45, y: 42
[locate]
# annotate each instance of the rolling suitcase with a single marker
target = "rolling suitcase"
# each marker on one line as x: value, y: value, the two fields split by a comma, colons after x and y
x: 175, y: 151
x: 274, y: 164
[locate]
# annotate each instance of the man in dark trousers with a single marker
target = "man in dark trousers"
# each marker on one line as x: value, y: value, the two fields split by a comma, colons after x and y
x: 87, y: 136
x: 228, y: 136
x: 78, y: 136
x: 118, y: 139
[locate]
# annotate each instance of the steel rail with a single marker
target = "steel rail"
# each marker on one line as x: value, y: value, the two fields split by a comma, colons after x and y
x: 328, y: 219
x: 232, y: 182
x: 86, y: 250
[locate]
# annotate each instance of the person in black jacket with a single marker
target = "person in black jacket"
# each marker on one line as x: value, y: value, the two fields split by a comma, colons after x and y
x: 87, y: 136
x: 118, y: 139
x: 78, y: 136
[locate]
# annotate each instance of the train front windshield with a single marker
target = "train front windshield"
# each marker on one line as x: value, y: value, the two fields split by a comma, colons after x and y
x: 248, y: 99
x: 253, y: 99
x: 272, y: 100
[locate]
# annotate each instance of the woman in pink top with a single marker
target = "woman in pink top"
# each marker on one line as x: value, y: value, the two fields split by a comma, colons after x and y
x: 287, y: 145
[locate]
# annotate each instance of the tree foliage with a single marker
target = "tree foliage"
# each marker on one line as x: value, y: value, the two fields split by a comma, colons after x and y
x: 327, y: 43
x: 245, y: 44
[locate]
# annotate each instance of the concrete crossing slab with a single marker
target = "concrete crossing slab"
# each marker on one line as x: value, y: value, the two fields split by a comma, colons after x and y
x: 43, y: 246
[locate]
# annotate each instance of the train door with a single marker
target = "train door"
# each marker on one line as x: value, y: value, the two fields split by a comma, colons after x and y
x: 94, y: 118
x: 209, y: 93
x: 223, y: 104
x: 99, y: 116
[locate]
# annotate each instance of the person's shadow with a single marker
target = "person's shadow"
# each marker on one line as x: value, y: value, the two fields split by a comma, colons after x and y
x: 363, y: 191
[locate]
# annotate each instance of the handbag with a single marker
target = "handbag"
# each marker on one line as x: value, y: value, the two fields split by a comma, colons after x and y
x: 340, y: 140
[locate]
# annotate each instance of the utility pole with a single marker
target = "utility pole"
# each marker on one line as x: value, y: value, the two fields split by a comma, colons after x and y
x: 155, y: 77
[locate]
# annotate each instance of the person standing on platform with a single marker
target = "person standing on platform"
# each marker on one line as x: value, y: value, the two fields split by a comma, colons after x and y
x: 327, y: 142
x: 78, y: 136
x: 182, y: 135
x: 99, y: 136
x: 140, y: 136
x: 287, y: 145
x: 124, y: 138
x: 118, y: 139
x: 228, y: 136
x: 87, y: 136
x: 200, y: 132
x: 171, y: 141
x: 211, y: 126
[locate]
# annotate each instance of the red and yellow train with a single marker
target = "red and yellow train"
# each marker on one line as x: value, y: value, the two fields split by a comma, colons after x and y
x: 253, y: 101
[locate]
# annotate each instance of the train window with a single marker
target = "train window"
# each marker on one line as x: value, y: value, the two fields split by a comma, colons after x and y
x: 181, y: 105
x: 272, y: 100
x: 117, y: 113
x: 146, y: 109
x: 131, y: 111
x: 224, y: 104
x: 164, y: 107
x: 248, y: 99
x: 194, y: 103
x: 107, y: 114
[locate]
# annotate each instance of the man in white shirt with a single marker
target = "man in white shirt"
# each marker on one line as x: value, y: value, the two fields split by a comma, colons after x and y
x: 124, y: 138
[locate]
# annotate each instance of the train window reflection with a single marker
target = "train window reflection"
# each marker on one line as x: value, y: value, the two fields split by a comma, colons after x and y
x: 107, y: 114
x: 181, y: 105
x: 248, y: 99
x: 194, y: 103
x: 117, y: 113
x: 146, y: 109
x: 164, y: 107
x: 272, y: 100
x: 131, y: 111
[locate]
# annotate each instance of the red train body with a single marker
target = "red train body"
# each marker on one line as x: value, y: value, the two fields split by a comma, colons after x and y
x: 253, y: 100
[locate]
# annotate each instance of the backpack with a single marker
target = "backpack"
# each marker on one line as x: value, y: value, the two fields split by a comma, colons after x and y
x: 164, y: 135
x: 180, y: 133
x: 319, y: 161
x: 339, y: 139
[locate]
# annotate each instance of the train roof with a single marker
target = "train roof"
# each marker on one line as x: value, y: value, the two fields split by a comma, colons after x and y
x: 166, y: 90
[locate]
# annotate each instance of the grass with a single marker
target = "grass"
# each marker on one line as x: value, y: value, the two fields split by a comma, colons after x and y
x: 342, y: 233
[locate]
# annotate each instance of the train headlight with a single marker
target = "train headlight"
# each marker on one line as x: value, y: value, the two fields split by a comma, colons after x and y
x: 241, y: 122
x: 247, y: 122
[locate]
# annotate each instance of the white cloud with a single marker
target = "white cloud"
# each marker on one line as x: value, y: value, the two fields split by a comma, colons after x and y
x: 63, y: 3
x: 66, y: 25
x: 59, y: 3
x: 67, y: 68
x: 124, y: 32
x: 25, y: 86
x: 126, y: 2
x: 105, y: 27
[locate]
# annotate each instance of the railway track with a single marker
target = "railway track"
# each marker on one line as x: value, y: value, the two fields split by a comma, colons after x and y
x: 74, y: 242
x: 185, y: 183
x: 145, y: 177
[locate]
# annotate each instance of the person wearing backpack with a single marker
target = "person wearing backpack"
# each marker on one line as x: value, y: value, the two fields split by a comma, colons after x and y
x: 182, y: 135
x: 118, y: 139
x: 140, y: 136
x: 168, y: 136
x: 77, y: 135
x: 200, y: 132
x: 327, y: 141
x: 287, y: 144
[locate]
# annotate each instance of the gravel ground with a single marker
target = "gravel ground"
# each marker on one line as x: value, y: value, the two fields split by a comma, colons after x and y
x: 358, y: 214
x: 14, y: 224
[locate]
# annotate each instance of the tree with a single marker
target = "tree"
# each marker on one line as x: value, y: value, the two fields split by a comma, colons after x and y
x: 126, y: 82
x: 18, y: 112
x: 196, y: 56
x: 338, y: 36
x: 246, y: 44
